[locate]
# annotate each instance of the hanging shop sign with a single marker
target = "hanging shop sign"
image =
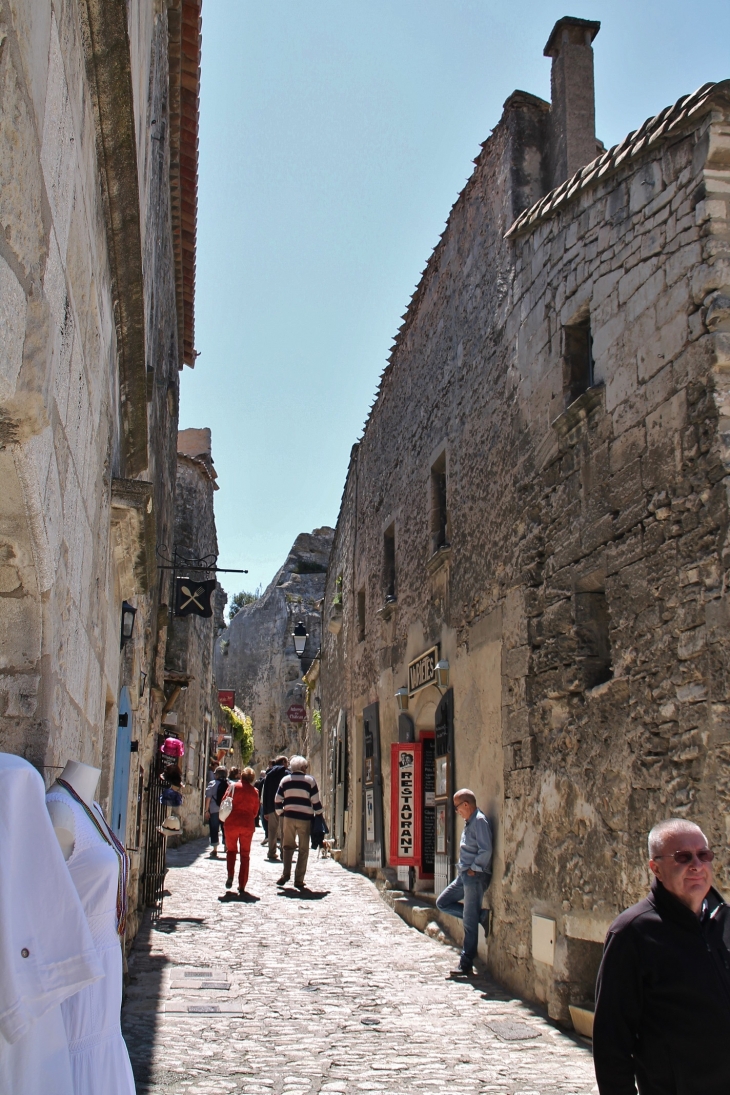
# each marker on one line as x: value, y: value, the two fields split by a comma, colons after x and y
x: 406, y: 771
x: 193, y: 598
x: 296, y: 712
x: 227, y: 697
x: 422, y: 671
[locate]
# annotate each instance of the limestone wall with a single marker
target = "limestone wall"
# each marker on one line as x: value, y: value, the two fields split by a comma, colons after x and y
x: 615, y: 505
x: 256, y: 656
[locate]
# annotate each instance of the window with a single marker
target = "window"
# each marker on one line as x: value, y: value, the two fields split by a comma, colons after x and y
x: 577, y: 360
x: 360, y: 615
x: 592, y: 620
x: 389, y: 563
x: 439, y: 516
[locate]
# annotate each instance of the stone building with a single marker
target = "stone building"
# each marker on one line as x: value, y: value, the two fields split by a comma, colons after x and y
x: 539, y: 503
x: 191, y: 704
x: 256, y: 657
x: 98, y: 177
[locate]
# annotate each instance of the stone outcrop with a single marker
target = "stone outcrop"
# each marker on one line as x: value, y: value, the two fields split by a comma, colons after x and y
x: 255, y: 655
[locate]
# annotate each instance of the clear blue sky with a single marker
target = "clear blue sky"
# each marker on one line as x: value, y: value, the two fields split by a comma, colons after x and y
x: 335, y: 136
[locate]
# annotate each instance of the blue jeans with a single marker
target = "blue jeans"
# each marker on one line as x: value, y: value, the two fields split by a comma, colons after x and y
x: 213, y: 823
x: 463, y: 898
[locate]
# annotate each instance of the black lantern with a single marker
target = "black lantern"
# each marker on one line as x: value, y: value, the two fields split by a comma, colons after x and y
x: 300, y: 638
x: 128, y: 614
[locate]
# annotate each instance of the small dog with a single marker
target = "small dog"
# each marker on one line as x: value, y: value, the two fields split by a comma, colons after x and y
x: 325, y: 850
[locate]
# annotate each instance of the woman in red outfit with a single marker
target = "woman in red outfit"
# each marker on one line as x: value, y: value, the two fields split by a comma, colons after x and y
x: 240, y: 825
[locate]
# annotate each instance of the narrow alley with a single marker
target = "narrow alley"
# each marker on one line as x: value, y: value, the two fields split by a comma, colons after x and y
x: 324, y: 991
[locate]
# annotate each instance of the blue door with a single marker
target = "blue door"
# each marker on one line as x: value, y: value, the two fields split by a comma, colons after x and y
x: 120, y: 791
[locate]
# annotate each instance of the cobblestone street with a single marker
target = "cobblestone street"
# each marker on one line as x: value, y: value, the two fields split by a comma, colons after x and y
x: 328, y: 991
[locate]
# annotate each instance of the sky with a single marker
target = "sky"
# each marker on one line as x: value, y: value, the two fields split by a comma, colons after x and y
x: 335, y: 135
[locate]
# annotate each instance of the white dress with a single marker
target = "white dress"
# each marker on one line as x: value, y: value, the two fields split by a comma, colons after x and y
x: 46, y: 950
x: 99, y: 1057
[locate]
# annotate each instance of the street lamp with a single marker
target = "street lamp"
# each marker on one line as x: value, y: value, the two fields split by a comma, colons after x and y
x: 128, y: 614
x: 300, y: 638
x: 401, y: 698
x: 442, y: 674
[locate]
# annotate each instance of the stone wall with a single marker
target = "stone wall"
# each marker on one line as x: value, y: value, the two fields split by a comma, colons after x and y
x: 89, y: 382
x: 578, y: 589
x: 256, y: 656
x: 190, y: 639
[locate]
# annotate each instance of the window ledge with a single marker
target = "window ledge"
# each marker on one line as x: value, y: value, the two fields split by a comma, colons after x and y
x: 440, y: 557
x: 388, y: 608
x: 579, y: 410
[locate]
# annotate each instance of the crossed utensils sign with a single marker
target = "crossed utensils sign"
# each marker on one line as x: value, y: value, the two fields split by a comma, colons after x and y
x: 193, y: 598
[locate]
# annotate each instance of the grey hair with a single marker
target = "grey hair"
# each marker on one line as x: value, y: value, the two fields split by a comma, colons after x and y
x: 299, y: 764
x: 465, y: 795
x: 663, y: 829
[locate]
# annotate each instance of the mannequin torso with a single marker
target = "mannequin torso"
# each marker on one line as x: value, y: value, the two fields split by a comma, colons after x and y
x: 84, y: 779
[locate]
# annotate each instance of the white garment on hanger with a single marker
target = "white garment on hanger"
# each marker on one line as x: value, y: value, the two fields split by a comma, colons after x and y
x: 99, y: 1057
x: 46, y: 950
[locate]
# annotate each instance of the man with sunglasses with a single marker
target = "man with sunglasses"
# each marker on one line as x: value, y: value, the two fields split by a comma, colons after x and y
x: 662, y: 1020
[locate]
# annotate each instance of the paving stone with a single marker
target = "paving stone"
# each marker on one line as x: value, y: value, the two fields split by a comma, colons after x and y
x: 333, y: 993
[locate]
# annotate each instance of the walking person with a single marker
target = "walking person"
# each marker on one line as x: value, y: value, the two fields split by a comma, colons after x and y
x: 240, y: 825
x: 214, y: 793
x: 662, y: 1020
x: 463, y: 897
x: 259, y: 785
x: 274, y: 776
x: 297, y: 802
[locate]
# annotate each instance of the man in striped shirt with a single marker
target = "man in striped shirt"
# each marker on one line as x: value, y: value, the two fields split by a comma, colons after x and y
x: 297, y: 802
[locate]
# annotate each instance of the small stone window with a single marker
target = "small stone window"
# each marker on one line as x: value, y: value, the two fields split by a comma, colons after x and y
x: 577, y: 359
x: 389, y: 585
x: 439, y: 513
x: 592, y: 620
x: 360, y: 615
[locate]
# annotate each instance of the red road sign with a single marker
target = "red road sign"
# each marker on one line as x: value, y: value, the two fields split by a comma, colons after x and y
x: 296, y: 713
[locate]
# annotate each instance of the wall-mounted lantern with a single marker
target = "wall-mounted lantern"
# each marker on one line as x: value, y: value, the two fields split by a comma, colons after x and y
x: 300, y: 638
x: 442, y: 674
x: 128, y: 614
x: 401, y: 698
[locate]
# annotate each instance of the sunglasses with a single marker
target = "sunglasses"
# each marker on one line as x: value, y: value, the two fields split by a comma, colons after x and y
x: 684, y: 858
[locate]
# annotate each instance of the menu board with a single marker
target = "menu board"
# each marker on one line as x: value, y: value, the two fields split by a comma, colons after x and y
x: 429, y: 771
x: 428, y: 846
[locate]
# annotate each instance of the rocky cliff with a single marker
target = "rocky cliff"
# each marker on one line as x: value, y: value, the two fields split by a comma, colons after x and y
x: 255, y: 655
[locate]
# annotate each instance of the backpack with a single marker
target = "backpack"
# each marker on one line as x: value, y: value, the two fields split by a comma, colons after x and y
x: 220, y: 790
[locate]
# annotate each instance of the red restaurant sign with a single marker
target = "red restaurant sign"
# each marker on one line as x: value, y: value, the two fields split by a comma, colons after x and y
x: 406, y: 794
x: 296, y: 713
x: 227, y: 698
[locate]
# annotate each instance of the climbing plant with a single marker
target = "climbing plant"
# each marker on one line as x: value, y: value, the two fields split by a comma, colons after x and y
x: 241, y: 728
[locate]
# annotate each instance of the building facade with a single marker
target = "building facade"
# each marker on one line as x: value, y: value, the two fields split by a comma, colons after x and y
x: 191, y: 707
x: 539, y: 504
x: 98, y: 177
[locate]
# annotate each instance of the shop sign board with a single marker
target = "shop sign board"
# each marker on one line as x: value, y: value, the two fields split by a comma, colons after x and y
x: 406, y: 770
x: 296, y: 712
x: 422, y: 671
x: 227, y: 697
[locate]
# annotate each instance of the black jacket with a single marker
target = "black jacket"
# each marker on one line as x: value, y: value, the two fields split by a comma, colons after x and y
x: 271, y: 785
x: 663, y: 1000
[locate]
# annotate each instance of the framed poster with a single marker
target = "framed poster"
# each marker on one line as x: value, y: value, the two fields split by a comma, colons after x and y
x: 442, y: 777
x: 441, y: 828
x: 368, y: 769
x: 369, y: 814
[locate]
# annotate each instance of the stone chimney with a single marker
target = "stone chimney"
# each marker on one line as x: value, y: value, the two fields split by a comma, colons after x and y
x: 573, y: 108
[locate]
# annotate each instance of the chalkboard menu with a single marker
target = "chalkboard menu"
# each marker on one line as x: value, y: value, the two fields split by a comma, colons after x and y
x: 428, y: 846
x: 429, y: 770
